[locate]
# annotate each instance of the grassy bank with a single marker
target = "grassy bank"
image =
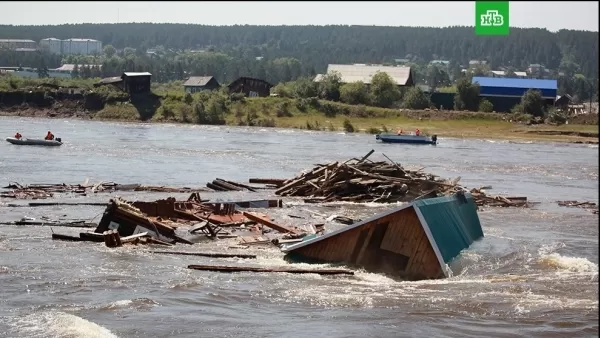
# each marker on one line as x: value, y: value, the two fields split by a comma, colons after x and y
x: 168, y: 103
x: 315, y: 114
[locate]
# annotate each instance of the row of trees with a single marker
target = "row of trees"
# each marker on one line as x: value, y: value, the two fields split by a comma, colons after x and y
x: 317, y: 46
x: 381, y: 92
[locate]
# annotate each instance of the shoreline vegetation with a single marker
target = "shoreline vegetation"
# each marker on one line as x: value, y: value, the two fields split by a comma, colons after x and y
x: 299, y: 105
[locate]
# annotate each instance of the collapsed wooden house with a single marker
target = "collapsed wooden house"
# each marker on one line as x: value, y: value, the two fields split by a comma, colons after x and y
x: 413, y: 242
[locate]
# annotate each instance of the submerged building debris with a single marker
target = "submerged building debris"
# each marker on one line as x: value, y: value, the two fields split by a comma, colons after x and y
x: 413, y: 242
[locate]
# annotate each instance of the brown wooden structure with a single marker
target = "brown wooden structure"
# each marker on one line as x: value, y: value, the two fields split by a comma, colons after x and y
x: 400, y: 242
x: 250, y: 87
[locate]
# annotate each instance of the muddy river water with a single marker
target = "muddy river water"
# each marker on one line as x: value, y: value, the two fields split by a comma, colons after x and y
x: 534, y: 274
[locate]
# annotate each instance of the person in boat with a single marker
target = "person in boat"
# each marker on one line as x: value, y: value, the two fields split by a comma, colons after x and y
x: 18, y: 136
x: 399, y: 132
x: 49, y: 136
x: 417, y: 132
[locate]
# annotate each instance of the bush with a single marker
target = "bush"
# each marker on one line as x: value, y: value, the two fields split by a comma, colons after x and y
x: 304, y: 87
x: 329, y: 109
x: 359, y: 111
x: 302, y: 104
x: 266, y: 122
x: 415, y: 98
x: 348, y: 127
x: 557, y: 118
x: 373, y: 130
x: 486, y: 106
x: 354, y: 93
x: 533, y: 103
x: 283, y: 109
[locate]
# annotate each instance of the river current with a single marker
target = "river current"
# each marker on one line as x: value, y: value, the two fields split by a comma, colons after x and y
x: 534, y: 274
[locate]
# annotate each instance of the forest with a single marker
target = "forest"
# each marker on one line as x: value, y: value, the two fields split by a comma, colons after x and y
x: 285, y: 53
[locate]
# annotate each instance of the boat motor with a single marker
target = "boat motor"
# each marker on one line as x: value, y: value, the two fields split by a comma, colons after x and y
x: 434, y: 139
x: 59, y: 139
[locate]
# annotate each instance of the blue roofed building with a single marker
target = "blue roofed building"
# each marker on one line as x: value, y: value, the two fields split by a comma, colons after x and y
x: 505, y: 93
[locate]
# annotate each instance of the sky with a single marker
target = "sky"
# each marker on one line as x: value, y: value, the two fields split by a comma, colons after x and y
x: 580, y: 15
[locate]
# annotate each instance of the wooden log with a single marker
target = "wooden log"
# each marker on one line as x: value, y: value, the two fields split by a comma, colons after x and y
x: 66, y: 238
x: 254, y: 269
x: 271, y: 181
x: 226, y: 185
x: 91, y: 237
x: 270, y: 224
x: 240, y: 185
x: 366, y: 156
x: 215, y: 187
x: 43, y: 204
x: 305, y: 177
x: 108, y: 239
x: 205, y: 254
x: 117, y: 238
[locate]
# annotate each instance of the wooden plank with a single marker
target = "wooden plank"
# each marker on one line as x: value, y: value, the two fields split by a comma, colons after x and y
x: 134, y: 237
x: 274, y: 226
x: 254, y: 269
x: 205, y: 254
x: 273, y: 181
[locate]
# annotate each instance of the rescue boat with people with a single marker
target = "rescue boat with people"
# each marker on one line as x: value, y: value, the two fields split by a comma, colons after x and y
x: 34, y: 142
x: 406, y: 138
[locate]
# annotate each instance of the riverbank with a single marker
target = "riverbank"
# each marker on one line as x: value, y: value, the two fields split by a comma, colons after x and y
x: 321, y: 115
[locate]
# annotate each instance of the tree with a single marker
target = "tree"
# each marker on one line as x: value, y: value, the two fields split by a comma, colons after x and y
x: 467, y: 95
x: 75, y: 71
x: 305, y: 87
x: 384, y: 90
x: 329, y: 87
x: 355, y: 93
x: 109, y: 51
x: 43, y: 70
x: 532, y: 103
x: 415, y: 98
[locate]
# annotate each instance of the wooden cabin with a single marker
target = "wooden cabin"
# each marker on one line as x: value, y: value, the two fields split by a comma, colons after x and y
x: 413, y: 242
x: 250, y: 87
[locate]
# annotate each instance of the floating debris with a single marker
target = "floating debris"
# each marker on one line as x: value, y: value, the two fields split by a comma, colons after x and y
x: 583, y: 205
x: 42, y: 191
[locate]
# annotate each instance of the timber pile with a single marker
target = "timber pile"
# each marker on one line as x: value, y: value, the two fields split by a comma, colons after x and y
x: 41, y: 191
x: 362, y: 180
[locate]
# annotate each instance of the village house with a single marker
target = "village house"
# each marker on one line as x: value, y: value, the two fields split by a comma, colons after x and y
x: 199, y: 83
x: 402, y: 75
x: 250, y: 87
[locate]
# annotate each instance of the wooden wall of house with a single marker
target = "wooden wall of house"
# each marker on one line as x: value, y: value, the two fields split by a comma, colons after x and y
x: 395, y: 244
x: 251, y: 87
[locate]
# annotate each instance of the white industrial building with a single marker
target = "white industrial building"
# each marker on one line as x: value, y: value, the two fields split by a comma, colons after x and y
x: 72, y: 46
x: 17, y: 44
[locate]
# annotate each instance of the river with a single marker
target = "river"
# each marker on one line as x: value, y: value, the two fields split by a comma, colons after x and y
x: 534, y: 274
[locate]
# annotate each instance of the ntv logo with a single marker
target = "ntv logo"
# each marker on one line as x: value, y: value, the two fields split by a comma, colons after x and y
x: 492, y: 18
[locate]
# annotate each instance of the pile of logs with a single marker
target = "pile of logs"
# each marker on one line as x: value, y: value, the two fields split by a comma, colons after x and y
x: 362, y: 180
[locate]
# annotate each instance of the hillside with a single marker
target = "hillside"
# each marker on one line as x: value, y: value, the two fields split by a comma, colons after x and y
x: 316, y: 46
